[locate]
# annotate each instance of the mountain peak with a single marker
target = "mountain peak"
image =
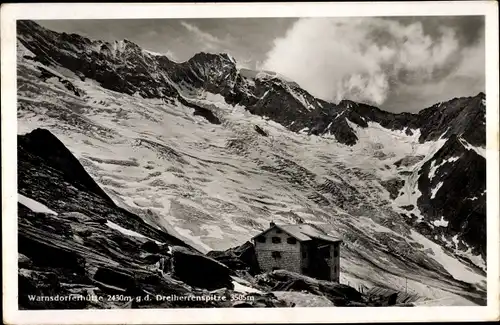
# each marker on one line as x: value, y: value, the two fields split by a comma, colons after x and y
x: 347, y: 103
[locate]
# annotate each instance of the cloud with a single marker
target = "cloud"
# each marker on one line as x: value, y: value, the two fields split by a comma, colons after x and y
x: 370, y: 59
x: 467, y: 78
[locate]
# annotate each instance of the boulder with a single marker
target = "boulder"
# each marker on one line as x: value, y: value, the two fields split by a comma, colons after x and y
x: 35, y: 286
x: 115, y: 281
x: 198, y: 270
x: 150, y: 247
x: 282, y: 280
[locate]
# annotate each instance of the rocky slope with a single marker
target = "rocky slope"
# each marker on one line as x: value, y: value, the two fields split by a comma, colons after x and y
x: 210, y: 154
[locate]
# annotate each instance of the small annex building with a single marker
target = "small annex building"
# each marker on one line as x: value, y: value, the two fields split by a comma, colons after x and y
x: 302, y: 248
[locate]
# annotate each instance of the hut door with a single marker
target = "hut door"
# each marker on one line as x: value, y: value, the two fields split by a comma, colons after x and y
x: 319, y: 267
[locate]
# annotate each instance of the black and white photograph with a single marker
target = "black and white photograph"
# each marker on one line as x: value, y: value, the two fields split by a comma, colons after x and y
x: 252, y: 162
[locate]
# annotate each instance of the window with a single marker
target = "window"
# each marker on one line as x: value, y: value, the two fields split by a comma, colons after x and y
x: 291, y: 240
x: 261, y: 239
x: 276, y: 240
x: 276, y: 254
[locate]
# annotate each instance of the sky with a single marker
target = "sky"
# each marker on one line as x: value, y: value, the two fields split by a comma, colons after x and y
x: 400, y: 64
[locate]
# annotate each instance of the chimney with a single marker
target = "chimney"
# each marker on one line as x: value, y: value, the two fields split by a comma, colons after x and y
x: 272, y: 224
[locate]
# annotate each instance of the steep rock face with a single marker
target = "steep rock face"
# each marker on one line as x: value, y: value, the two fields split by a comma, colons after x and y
x: 455, y: 172
x: 464, y: 117
x: 215, y: 72
x: 121, y: 66
x: 50, y: 174
x: 43, y: 146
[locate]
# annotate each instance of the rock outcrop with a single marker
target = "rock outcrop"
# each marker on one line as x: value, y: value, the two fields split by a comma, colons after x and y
x: 238, y: 258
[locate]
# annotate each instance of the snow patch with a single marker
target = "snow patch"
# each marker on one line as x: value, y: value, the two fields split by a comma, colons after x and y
x: 440, y: 223
x: 436, y: 189
x: 244, y: 289
x: 271, y: 75
x: 479, y: 150
x: 434, y: 168
x: 169, y: 55
x: 33, y: 205
x: 128, y: 232
x: 477, y: 260
x: 458, y: 270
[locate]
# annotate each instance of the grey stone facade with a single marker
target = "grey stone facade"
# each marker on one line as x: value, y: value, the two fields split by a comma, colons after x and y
x: 277, y: 249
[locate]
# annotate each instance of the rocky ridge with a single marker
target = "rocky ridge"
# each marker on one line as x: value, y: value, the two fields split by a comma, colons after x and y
x: 124, y: 67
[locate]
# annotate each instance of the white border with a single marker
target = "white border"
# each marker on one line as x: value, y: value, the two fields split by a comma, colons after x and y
x: 11, y: 12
